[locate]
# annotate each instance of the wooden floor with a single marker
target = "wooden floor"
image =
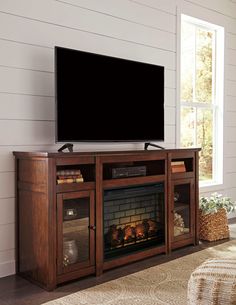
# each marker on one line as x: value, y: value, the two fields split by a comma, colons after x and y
x: 17, y: 291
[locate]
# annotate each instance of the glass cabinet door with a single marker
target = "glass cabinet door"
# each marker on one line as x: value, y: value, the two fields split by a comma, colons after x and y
x: 75, y: 215
x: 183, y: 211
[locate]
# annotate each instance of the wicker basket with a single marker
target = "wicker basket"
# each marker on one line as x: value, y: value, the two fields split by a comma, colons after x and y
x: 213, y: 226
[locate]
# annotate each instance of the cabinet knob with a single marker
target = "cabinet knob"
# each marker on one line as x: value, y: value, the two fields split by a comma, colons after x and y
x: 92, y: 227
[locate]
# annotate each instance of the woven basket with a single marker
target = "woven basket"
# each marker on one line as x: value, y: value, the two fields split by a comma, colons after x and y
x: 213, y: 226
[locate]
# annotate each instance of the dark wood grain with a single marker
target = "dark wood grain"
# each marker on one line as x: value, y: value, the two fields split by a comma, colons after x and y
x: 39, y: 207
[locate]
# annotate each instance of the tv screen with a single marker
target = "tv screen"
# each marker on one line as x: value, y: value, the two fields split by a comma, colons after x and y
x: 104, y: 98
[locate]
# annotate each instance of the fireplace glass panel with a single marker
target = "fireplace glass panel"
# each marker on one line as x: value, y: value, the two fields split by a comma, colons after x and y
x: 75, y: 230
x: 134, y: 219
x: 181, y: 209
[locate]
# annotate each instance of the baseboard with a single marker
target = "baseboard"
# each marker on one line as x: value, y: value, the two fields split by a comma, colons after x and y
x: 7, y: 268
x: 232, y: 220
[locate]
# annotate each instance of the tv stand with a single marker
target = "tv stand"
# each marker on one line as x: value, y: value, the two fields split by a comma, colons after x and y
x: 75, y: 218
x: 68, y: 146
x: 151, y: 144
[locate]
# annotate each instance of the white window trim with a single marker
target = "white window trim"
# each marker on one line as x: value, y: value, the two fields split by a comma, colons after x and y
x: 219, y: 84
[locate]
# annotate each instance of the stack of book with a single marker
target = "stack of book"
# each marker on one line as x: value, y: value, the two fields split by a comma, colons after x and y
x: 69, y: 176
x: 178, y: 167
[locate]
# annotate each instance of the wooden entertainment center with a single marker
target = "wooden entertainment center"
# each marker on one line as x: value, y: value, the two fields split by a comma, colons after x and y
x: 84, y: 213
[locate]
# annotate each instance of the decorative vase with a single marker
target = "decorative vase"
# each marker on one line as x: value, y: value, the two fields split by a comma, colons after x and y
x: 70, y: 252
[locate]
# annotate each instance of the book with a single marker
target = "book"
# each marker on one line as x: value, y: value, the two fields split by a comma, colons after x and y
x: 70, y: 180
x: 178, y: 167
x: 69, y: 176
x: 68, y: 172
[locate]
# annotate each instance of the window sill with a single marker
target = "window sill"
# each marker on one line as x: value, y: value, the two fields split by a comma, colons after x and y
x: 211, y: 187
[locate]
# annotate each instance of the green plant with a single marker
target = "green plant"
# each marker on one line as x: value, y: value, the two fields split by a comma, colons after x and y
x: 212, y: 204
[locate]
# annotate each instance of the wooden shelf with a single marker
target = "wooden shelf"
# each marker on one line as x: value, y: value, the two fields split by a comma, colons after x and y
x: 132, y: 181
x: 182, y: 175
x: 179, y: 206
x: 72, y: 187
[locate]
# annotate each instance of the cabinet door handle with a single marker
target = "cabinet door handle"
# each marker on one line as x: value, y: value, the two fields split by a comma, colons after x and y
x: 92, y: 227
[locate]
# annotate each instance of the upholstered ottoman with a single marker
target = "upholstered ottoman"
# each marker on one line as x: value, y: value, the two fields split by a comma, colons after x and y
x: 213, y: 283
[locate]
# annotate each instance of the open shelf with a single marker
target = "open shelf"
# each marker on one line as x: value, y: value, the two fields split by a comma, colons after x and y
x: 133, y: 168
x: 87, y: 171
x: 179, y: 206
x: 184, y: 171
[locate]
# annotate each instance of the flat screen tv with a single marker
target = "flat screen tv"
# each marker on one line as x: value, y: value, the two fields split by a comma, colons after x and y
x: 102, y: 98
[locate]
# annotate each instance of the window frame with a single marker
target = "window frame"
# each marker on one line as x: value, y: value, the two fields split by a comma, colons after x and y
x: 216, y: 105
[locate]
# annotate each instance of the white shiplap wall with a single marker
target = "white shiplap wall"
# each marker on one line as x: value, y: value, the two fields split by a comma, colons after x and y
x: 143, y: 30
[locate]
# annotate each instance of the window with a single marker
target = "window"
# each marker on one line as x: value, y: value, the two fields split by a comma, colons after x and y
x: 201, y: 95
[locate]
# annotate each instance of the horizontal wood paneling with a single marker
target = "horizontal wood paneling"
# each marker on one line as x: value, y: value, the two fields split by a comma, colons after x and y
x: 26, y: 132
x: 170, y: 134
x: 169, y: 115
x: 231, y: 192
x: 16, y: 29
x: 26, y: 82
x: 170, y: 81
x: 231, y: 72
x: 7, y: 255
x: 89, y: 21
x: 23, y: 107
x: 230, y: 88
x: 25, y: 56
x: 229, y: 134
x: 230, y: 103
x: 125, y: 10
x: 225, y: 7
x: 7, y: 265
x: 230, y: 149
x: 7, y: 182
x: 231, y: 57
x: 212, y: 16
x: 166, y: 5
x: 230, y: 179
x: 7, y: 208
x: 230, y: 40
x: 7, y: 237
x: 230, y: 165
x: 230, y: 118
x: 170, y: 97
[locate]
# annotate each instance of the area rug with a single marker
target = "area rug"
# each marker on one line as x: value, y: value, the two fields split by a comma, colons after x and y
x: 165, y: 284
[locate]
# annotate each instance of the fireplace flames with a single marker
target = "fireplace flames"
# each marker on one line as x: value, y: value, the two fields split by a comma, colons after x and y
x: 116, y: 236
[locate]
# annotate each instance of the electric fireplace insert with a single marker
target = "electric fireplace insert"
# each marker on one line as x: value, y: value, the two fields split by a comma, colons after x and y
x: 134, y: 219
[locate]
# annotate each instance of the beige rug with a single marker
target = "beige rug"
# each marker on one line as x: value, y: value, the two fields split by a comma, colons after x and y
x: 165, y: 284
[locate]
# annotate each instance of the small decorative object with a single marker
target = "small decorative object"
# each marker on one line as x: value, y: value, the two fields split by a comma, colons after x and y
x: 69, y: 176
x: 66, y: 261
x: 70, y: 213
x: 213, y: 222
x: 178, y: 167
x: 178, y: 225
x: 70, y: 252
x: 176, y: 196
